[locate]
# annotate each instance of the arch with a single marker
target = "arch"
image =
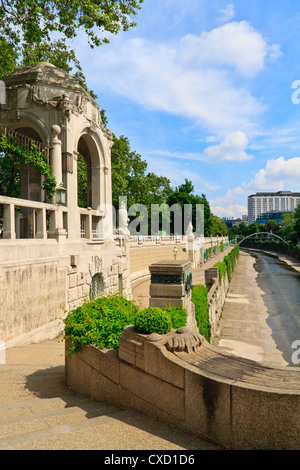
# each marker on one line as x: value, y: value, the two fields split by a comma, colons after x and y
x: 98, y: 140
x: 97, y: 286
x: 263, y: 233
x: 30, y: 121
x: 87, y: 147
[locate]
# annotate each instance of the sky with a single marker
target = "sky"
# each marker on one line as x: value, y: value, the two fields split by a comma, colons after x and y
x: 207, y: 91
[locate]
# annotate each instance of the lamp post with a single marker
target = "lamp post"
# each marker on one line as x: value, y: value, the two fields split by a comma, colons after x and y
x: 175, y: 251
x: 61, y: 194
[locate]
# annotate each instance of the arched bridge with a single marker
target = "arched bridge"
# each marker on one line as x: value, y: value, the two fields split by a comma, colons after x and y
x: 263, y: 233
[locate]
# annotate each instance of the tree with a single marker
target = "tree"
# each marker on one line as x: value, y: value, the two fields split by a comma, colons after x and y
x: 131, y: 179
x: 288, y: 229
x: 183, y: 195
x: 35, y: 30
x: 218, y: 226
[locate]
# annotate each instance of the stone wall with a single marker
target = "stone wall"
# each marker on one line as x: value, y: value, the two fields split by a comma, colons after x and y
x: 141, y: 258
x: 27, y: 302
x: 40, y: 281
x: 234, y: 402
x: 216, y: 297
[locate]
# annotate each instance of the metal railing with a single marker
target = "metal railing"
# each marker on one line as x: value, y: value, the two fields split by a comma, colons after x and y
x: 25, y: 143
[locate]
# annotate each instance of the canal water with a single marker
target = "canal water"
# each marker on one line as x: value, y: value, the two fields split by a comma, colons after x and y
x: 281, y: 286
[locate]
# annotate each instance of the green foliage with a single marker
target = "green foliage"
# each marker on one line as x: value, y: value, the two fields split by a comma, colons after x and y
x: 229, y: 264
x: 178, y: 316
x: 10, y: 157
x: 153, y: 320
x: 100, y: 322
x: 31, y: 31
x: 130, y: 177
x: 8, y: 57
x: 230, y: 260
x: 182, y: 195
x: 81, y: 182
x: 217, y: 226
x: 199, y: 298
x: 222, y: 270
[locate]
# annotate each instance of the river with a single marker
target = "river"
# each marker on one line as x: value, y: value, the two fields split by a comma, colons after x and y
x: 281, y: 287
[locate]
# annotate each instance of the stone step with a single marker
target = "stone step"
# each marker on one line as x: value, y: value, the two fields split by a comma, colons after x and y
x: 38, y: 411
x: 23, y: 414
x: 36, y: 432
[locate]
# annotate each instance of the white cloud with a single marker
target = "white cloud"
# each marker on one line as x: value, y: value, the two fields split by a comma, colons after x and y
x: 234, y: 210
x: 232, y: 149
x: 236, y: 44
x: 187, y: 78
x: 227, y: 13
x: 278, y: 174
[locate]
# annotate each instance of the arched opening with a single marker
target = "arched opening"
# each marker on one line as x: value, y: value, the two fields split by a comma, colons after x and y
x: 97, y: 286
x: 88, y: 172
x: 22, y: 180
x: 83, y: 181
x: 30, y: 176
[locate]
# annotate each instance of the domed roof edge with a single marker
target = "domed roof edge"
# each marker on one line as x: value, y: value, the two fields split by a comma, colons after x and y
x: 45, y: 73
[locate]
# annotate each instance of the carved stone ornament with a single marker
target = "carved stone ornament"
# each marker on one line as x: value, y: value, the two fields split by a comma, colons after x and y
x: 184, y: 340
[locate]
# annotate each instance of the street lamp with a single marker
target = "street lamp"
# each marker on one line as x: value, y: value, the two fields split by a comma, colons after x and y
x: 61, y: 194
x: 175, y: 251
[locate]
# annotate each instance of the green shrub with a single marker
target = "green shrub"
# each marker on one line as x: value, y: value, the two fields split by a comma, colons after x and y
x: 199, y: 298
x: 222, y: 270
x: 178, y: 316
x: 153, y: 320
x: 100, y: 322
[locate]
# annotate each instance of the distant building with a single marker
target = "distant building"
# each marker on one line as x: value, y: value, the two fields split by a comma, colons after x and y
x: 279, y: 202
x: 273, y: 215
x: 231, y: 222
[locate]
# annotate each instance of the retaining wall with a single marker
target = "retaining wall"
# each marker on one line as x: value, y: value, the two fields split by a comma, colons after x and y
x: 231, y: 401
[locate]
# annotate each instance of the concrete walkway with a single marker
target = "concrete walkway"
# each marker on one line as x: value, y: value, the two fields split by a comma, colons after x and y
x: 39, y: 412
x: 243, y: 328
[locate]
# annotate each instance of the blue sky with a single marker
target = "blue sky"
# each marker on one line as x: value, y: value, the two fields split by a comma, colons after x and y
x: 204, y: 91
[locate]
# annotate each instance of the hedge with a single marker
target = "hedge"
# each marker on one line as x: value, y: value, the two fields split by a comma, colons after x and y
x: 229, y: 264
x: 199, y: 298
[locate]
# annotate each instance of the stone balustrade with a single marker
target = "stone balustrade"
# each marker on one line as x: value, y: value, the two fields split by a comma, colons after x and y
x: 35, y: 213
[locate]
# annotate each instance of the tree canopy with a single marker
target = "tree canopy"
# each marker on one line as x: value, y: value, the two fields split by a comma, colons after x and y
x: 184, y: 195
x: 42, y: 30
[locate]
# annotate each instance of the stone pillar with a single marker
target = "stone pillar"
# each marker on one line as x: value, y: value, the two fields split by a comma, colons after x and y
x: 56, y: 155
x: 56, y: 170
x: 41, y: 225
x: 171, y: 285
x: 9, y: 230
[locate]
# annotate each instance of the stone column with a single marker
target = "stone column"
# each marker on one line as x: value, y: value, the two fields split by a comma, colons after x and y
x: 56, y: 155
x: 171, y: 285
x: 56, y: 170
x: 9, y: 221
x: 41, y: 228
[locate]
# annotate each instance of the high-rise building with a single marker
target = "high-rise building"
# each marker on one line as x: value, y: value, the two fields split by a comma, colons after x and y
x: 261, y: 203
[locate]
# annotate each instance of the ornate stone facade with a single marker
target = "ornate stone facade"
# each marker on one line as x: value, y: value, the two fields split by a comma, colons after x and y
x: 74, y: 244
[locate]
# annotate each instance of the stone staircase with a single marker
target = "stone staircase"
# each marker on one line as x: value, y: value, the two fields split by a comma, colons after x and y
x: 39, y: 412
